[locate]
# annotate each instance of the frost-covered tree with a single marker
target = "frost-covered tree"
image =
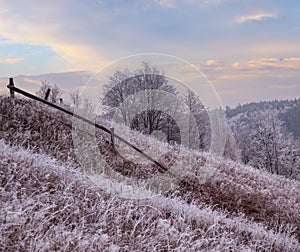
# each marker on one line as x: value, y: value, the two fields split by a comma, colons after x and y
x: 200, y: 114
x: 125, y: 89
x: 75, y: 98
x: 81, y: 102
x: 231, y: 149
x: 55, y: 93
x: 265, y: 143
x: 291, y: 118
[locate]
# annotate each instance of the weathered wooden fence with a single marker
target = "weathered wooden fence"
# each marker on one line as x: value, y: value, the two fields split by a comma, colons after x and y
x: 13, y: 89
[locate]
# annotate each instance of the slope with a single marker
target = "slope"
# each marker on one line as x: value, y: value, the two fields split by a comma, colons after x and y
x: 49, y: 199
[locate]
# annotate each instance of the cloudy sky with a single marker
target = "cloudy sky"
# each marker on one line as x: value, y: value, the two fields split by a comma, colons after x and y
x: 249, y: 49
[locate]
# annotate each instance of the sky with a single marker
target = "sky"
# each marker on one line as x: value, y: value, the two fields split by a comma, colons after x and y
x: 248, y: 49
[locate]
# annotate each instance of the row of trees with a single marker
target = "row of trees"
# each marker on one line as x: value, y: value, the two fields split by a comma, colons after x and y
x: 75, y: 101
x: 146, y: 101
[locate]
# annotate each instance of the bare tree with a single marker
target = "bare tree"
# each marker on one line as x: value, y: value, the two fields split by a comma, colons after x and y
x: 75, y: 99
x: 200, y: 114
x: 81, y: 102
x: 231, y: 149
x: 122, y: 91
x: 55, y: 93
x: 265, y: 144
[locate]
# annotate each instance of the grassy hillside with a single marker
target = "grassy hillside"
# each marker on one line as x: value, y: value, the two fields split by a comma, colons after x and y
x: 48, y: 203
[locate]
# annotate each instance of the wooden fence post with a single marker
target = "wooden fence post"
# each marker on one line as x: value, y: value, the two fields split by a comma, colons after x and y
x: 112, y: 137
x: 47, y: 94
x: 11, y: 84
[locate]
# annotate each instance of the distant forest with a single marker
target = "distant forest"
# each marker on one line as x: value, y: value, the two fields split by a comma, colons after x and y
x: 288, y: 112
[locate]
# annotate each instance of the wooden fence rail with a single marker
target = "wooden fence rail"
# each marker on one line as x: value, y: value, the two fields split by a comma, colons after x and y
x: 14, y: 89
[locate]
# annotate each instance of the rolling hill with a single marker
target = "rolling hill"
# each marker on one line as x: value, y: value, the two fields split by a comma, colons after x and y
x: 48, y: 203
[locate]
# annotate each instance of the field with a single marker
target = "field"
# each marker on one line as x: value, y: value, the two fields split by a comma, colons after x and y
x: 48, y: 203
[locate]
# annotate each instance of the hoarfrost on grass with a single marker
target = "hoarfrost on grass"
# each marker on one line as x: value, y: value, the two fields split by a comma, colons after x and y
x: 71, y: 213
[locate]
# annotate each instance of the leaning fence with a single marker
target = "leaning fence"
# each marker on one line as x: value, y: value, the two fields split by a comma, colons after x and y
x: 13, y: 89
